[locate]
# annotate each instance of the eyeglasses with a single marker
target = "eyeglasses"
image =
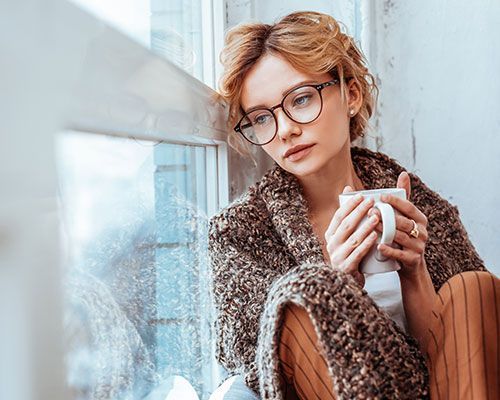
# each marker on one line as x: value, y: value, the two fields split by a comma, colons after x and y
x: 302, y: 105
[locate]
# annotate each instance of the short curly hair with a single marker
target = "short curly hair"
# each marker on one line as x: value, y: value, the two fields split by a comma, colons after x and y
x: 311, y: 42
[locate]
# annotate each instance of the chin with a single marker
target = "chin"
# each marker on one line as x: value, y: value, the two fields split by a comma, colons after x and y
x: 302, y: 168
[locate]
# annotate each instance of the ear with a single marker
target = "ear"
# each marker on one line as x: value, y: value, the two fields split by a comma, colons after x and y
x: 354, y: 95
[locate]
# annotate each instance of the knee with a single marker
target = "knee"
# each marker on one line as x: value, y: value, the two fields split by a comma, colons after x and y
x: 469, y: 277
x: 295, y: 312
x: 296, y: 323
x: 487, y: 283
x: 294, y: 315
x: 295, y: 318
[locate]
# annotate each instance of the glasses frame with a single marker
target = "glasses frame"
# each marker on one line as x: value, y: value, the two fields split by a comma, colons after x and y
x: 319, y: 87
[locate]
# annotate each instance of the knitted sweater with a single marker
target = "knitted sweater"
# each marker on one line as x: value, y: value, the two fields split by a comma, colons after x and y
x: 264, y: 254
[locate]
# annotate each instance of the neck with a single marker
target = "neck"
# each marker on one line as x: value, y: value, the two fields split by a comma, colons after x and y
x: 335, y: 176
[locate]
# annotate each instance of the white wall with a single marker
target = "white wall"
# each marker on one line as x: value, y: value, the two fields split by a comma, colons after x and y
x: 437, y: 66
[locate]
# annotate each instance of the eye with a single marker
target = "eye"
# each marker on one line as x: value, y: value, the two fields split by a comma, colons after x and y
x: 261, y: 119
x: 302, y: 100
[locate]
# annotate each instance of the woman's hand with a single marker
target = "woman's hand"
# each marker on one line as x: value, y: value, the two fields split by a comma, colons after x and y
x: 411, y: 254
x: 345, y: 245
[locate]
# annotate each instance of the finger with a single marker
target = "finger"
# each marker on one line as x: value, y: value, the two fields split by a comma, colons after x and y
x: 405, y: 207
x: 358, y: 237
x: 406, y: 257
x: 352, y: 221
x: 375, y: 211
x: 405, y: 226
x: 362, y: 250
x: 408, y: 242
x: 404, y: 183
x: 332, y: 226
x: 342, y: 212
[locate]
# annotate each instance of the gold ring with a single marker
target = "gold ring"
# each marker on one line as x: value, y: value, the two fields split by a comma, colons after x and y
x: 414, y: 232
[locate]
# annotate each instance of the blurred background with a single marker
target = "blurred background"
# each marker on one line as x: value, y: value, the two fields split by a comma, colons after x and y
x: 113, y: 156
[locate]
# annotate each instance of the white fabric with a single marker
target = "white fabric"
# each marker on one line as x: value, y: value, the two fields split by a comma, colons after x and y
x: 385, y: 290
x: 233, y: 388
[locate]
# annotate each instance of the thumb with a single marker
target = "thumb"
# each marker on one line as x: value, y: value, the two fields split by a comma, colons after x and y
x: 347, y: 189
x: 404, y: 183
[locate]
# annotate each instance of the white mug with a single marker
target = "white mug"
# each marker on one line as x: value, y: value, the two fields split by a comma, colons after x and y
x: 374, y: 262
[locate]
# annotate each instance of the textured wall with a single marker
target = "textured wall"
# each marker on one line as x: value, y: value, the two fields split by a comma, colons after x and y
x: 437, y: 64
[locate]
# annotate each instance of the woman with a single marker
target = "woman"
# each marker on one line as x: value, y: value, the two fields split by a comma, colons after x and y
x: 293, y: 317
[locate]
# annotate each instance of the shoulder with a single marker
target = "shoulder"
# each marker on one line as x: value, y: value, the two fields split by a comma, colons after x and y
x: 376, y: 163
x: 382, y: 170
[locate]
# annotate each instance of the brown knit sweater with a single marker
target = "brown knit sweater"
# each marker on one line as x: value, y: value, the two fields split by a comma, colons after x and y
x: 264, y: 254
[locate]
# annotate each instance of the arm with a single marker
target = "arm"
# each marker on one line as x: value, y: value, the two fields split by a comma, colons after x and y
x: 442, y: 242
x: 456, y: 251
x: 449, y: 251
x: 418, y: 298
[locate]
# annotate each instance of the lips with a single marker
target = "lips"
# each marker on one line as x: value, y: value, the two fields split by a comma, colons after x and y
x: 296, y: 149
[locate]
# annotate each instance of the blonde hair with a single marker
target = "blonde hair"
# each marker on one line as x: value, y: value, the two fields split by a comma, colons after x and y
x: 311, y: 42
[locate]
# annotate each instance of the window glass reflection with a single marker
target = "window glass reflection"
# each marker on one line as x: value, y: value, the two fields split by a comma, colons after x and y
x: 137, y: 309
x: 171, y: 29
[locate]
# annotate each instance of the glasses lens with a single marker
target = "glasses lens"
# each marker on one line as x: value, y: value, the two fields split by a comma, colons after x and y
x: 258, y: 126
x: 303, y: 104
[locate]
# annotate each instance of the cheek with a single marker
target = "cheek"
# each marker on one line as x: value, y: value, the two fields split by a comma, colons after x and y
x: 331, y: 128
x: 272, y: 150
x: 333, y: 123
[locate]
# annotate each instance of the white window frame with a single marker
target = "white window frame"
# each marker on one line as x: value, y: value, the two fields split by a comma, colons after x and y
x: 213, y: 21
x: 66, y: 70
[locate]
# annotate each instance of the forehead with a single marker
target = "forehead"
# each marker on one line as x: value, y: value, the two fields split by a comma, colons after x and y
x: 270, y: 78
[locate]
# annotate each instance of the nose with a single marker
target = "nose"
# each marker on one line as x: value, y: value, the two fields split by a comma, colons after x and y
x: 286, y: 127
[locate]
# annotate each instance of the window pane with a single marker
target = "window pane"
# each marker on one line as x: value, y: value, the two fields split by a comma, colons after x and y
x: 176, y: 30
x: 170, y: 28
x: 137, y: 309
x: 132, y: 17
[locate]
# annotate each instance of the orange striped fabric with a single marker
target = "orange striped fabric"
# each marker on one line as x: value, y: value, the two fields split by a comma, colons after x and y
x: 463, y: 347
x: 305, y: 371
x: 462, y: 354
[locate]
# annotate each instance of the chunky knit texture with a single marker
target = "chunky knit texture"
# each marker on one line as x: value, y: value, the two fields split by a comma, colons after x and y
x: 264, y: 254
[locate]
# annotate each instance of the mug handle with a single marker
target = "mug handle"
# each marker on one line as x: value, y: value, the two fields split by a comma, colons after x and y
x: 388, y: 226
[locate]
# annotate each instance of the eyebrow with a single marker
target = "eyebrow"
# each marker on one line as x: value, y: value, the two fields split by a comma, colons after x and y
x: 306, y: 82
